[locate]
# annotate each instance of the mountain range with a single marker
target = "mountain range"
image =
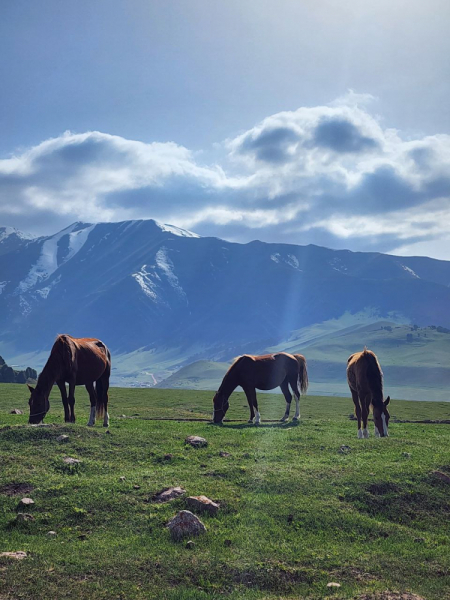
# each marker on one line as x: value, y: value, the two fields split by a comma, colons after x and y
x: 162, y: 297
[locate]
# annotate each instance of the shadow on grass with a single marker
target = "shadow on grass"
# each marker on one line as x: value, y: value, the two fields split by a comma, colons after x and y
x: 270, y: 425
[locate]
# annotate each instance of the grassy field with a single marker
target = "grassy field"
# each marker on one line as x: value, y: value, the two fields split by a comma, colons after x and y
x: 297, y: 510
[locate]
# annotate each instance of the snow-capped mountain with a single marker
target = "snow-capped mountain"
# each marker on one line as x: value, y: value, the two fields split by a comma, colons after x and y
x: 141, y: 284
x: 11, y: 239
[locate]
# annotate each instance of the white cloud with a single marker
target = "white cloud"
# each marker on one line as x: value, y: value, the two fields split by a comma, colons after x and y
x: 331, y: 174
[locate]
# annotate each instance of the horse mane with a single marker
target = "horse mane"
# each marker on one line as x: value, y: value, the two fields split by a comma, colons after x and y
x: 374, y: 374
x: 64, y: 347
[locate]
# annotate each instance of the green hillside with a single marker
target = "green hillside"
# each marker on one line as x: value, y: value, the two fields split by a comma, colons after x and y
x: 415, y: 361
x: 200, y: 375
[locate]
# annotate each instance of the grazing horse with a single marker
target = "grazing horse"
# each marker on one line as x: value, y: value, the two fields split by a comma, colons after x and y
x: 263, y: 373
x: 79, y: 361
x: 365, y: 380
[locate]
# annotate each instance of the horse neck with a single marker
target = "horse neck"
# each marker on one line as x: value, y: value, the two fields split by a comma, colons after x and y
x: 50, y: 373
x: 229, y: 383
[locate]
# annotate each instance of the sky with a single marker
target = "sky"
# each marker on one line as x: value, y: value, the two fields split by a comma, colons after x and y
x: 322, y: 121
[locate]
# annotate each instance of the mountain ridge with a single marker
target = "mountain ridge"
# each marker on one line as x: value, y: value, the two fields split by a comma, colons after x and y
x: 168, y: 296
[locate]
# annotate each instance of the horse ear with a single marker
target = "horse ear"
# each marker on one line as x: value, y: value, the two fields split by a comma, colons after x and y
x: 30, y: 388
x: 388, y: 399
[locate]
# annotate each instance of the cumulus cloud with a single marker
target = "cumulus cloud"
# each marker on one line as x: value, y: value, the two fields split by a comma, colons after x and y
x: 326, y: 174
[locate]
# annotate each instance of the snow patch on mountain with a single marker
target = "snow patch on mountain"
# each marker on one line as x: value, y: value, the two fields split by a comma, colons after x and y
x: 177, y: 230
x: 337, y: 265
x: 147, y: 285
x: 290, y: 260
x: 413, y: 273
x: 47, y: 262
x: 5, y: 232
x: 164, y: 263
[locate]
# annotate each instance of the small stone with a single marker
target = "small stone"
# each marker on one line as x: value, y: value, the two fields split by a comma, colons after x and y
x: 190, y: 545
x: 25, y: 503
x: 344, y: 449
x: 51, y: 533
x: 122, y: 478
x: 224, y: 454
x: 406, y: 454
x: 137, y: 487
x: 168, y: 494
x: 185, y: 524
x: 333, y: 584
x: 196, y: 441
x: 22, y: 517
x: 62, y: 438
x: 16, y: 411
x: 19, y: 555
x: 71, y: 461
x: 123, y: 416
x: 202, y: 504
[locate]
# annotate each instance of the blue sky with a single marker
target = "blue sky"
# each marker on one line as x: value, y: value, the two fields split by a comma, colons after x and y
x: 230, y: 118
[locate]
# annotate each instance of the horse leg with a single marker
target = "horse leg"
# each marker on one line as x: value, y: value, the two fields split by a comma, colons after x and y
x: 93, y: 398
x: 287, y: 394
x: 255, y: 405
x: 72, y: 401
x: 248, y: 393
x: 355, y: 399
x: 102, y: 386
x: 365, y: 401
x: 296, y: 390
x: 62, y: 389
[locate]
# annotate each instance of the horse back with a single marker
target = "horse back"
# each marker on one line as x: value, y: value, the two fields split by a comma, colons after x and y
x: 85, y: 358
x: 364, y: 371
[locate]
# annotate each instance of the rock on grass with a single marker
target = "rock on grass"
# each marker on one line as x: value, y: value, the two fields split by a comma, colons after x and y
x: 202, y: 504
x: 196, y: 441
x: 25, y: 503
x: 19, y: 555
x: 168, y: 494
x: 185, y: 524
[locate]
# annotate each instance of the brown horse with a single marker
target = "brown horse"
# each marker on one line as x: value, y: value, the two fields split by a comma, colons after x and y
x: 365, y: 380
x: 79, y: 361
x: 263, y: 373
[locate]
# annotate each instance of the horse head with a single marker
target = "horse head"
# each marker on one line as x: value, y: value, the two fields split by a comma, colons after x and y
x: 381, y: 418
x: 39, y: 405
x: 221, y: 404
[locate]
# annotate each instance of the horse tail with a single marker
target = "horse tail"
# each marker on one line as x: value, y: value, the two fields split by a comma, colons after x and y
x: 102, y: 386
x: 302, y: 373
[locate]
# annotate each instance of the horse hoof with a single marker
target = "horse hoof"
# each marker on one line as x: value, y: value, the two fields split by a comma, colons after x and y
x: 250, y: 421
x: 295, y: 419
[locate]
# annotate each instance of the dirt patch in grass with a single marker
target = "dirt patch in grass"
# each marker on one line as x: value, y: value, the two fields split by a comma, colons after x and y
x: 16, y: 489
x: 381, y: 489
x: 390, y: 596
x: 273, y: 576
x: 402, y: 503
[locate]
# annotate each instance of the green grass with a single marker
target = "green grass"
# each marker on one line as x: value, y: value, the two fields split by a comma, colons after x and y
x: 296, y: 513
